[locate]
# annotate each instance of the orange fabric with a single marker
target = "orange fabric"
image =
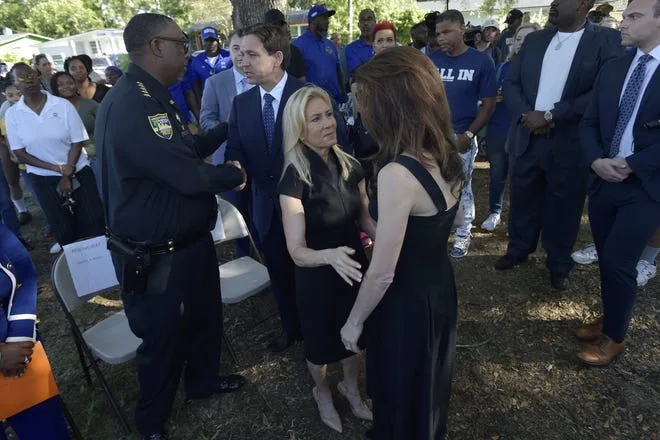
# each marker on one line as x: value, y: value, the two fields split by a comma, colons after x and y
x: 37, y: 385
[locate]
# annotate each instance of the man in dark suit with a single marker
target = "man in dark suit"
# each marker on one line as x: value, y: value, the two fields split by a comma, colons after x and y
x: 255, y: 145
x: 621, y: 138
x: 547, y: 89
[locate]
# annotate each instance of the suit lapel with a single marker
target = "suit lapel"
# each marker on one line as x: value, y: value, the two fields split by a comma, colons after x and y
x: 654, y: 86
x: 583, y: 51
x: 614, y: 95
x: 278, y: 135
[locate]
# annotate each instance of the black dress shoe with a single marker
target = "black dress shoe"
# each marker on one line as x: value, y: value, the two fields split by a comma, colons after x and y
x: 508, y: 262
x: 156, y: 436
x: 282, y: 342
x: 558, y: 281
x: 221, y: 384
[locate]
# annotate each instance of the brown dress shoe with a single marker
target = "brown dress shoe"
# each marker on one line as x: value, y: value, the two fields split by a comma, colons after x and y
x: 592, y: 331
x: 601, y: 353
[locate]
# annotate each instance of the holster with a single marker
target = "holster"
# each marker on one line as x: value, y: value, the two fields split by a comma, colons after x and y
x: 136, y: 261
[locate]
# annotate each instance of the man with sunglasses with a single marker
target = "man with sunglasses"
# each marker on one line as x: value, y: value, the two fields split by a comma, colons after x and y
x: 159, y: 197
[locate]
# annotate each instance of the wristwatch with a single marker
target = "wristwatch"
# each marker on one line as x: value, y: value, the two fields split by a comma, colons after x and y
x: 548, y: 115
x: 469, y: 134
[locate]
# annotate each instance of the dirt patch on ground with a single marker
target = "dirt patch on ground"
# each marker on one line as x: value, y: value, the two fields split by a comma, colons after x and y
x: 521, y: 381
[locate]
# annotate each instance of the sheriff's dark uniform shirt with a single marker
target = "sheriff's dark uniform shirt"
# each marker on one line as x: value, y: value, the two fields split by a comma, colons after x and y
x: 155, y: 184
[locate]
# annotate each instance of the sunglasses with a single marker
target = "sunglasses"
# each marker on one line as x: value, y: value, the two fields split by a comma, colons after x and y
x: 185, y: 41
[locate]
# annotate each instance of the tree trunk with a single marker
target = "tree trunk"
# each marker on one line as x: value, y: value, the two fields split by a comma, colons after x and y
x: 249, y: 12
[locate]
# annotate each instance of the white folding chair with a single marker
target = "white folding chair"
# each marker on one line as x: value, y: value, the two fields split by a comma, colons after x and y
x: 110, y: 340
x: 243, y: 277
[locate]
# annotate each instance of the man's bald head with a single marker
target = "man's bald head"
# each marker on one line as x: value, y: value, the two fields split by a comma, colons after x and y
x: 141, y: 29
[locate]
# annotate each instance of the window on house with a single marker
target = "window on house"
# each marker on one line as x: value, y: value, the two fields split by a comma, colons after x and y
x: 94, y: 47
x: 80, y: 47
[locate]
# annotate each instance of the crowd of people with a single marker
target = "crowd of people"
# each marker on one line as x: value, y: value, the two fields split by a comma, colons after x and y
x: 326, y: 149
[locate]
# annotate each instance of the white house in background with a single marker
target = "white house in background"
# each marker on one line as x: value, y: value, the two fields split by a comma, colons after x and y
x: 19, y: 46
x: 93, y: 43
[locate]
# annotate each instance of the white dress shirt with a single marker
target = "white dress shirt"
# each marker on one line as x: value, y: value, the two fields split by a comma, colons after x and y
x: 276, y: 93
x: 627, y: 145
x: 555, y: 69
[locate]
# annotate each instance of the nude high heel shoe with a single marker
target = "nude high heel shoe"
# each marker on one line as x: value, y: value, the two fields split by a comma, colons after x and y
x: 328, y: 413
x: 358, y: 407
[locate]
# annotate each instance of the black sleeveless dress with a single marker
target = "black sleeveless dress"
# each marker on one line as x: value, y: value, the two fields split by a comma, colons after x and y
x: 412, y: 332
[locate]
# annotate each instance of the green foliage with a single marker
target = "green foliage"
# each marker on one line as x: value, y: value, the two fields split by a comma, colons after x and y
x: 402, y: 13
x: 60, y: 18
x: 56, y: 18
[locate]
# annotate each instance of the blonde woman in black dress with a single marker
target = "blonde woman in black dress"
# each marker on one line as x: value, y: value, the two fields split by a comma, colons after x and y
x: 324, y: 205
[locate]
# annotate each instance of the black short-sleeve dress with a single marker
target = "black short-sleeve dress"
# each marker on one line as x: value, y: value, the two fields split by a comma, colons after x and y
x: 332, y: 211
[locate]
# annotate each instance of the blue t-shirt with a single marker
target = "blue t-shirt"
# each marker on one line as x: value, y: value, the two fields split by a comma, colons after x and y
x: 202, y: 70
x: 322, y: 62
x: 177, y: 94
x: 501, y: 119
x: 468, y: 78
x: 358, y: 53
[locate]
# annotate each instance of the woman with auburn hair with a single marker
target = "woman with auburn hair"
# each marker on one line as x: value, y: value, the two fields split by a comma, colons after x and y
x: 324, y: 204
x: 384, y: 36
x: 408, y: 293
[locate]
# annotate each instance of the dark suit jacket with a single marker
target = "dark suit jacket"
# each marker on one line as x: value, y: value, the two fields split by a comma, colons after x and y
x: 520, y: 87
x: 597, y: 127
x: 246, y: 143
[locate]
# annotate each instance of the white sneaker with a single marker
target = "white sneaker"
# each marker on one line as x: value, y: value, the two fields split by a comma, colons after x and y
x: 55, y: 249
x: 461, y: 247
x: 587, y: 255
x: 491, y: 222
x: 645, y: 272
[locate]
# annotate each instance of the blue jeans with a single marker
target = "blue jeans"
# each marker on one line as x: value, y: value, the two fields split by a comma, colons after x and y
x: 8, y: 214
x: 499, y: 168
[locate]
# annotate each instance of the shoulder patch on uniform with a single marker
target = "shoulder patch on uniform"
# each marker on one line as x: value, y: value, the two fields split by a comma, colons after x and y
x: 160, y: 124
x: 143, y: 89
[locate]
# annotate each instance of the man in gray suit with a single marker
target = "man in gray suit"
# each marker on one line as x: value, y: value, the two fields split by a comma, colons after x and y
x: 219, y: 92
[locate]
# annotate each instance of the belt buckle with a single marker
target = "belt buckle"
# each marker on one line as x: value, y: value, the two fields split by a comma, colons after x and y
x: 170, y: 245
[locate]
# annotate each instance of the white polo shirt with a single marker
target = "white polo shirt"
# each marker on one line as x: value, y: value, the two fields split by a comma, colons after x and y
x: 47, y: 136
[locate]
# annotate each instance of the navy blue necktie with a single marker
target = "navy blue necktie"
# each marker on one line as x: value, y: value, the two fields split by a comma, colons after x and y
x: 269, y: 119
x: 628, y: 103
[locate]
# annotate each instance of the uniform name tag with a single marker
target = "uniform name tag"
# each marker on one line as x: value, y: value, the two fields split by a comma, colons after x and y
x: 161, y: 125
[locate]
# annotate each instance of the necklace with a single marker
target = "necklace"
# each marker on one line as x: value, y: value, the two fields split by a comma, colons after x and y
x: 560, y: 42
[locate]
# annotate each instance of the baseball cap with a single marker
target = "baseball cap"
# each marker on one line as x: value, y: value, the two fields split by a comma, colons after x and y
x: 274, y: 16
x: 317, y: 10
x: 209, y: 32
x: 513, y: 15
x: 490, y: 22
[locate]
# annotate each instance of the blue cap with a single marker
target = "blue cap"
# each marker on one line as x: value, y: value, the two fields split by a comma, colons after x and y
x: 209, y: 32
x: 319, y: 10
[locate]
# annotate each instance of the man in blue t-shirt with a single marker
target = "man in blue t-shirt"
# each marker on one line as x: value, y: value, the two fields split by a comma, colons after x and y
x: 321, y: 58
x: 213, y: 60
x: 469, y: 77
x: 361, y: 50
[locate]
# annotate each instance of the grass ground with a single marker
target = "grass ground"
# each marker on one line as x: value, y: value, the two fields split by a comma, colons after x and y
x: 523, y: 383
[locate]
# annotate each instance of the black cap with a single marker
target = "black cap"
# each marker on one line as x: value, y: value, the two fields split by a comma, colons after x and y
x: 274, y: 16
x: 513, y: 15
